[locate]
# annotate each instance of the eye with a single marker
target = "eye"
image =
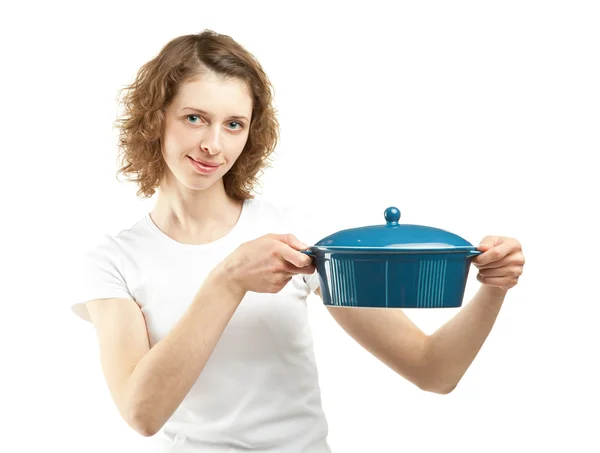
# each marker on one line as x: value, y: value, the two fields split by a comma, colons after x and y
x: 196, y: 117
x: 240, y: 125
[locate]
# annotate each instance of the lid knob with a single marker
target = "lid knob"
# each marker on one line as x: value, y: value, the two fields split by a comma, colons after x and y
x: 392, y: 215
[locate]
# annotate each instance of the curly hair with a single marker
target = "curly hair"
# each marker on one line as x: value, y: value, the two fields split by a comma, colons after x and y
x: 182, y: 59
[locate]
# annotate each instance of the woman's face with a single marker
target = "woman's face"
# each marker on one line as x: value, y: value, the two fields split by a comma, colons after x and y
x: 206, y: 128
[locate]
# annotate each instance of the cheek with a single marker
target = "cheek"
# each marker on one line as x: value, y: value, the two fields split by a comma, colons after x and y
x: 235, y: 149
x: 231, y: 158
x: 177, y: 141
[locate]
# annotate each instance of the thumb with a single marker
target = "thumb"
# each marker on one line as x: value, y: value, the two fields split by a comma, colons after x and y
x: 293, y: 241
x: 484, y: 247
x: 488, y: 242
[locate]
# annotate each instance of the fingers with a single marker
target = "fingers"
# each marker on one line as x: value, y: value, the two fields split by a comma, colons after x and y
x: 290, y: 268
x: 283, y: 277
x: 492, y: 255
x: 289, y: 250
x: 491, y: 241
x: 500, y: 282
x: 297, y: 259
x: 515, y: 259
x: 496, y: 253
x: 292, y: 241
x: 510, y: 271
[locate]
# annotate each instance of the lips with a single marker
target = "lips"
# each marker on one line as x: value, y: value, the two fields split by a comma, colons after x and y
x: 205, y: 163
x: 203, y: 167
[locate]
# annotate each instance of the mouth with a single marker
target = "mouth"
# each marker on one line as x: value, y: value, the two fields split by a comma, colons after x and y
x: 203, y: 166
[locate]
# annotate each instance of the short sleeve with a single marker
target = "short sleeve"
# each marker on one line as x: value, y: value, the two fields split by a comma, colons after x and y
x: 99, y: 276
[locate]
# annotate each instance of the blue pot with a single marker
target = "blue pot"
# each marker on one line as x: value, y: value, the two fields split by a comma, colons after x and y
x: 393, y: 266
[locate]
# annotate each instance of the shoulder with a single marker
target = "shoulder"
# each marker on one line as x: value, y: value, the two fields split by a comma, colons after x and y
x: 124, y: 239
x: 103, y: 248
x: 99, y: 271
x: 108, y: 250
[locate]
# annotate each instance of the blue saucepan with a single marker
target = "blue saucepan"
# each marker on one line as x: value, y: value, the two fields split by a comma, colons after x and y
x: 393, y: 266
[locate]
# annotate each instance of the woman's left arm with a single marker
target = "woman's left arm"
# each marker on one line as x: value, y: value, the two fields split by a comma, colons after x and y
x: 437, y: 362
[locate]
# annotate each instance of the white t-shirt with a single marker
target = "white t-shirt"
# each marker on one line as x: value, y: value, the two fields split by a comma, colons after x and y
x: 259, y: 389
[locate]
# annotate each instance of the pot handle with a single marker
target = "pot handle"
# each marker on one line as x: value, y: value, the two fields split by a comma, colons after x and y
x: 473, y: 253
x: 308, y: 252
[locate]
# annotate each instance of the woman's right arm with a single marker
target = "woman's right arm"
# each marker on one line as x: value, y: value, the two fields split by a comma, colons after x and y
x: 148, y: 384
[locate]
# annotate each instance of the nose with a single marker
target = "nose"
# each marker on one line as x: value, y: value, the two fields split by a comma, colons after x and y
x: 211, y: 141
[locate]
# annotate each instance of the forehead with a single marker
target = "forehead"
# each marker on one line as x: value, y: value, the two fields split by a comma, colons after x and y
x: 215, y: 94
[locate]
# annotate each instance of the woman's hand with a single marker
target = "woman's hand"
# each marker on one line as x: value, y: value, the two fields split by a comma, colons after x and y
x: 267, y: 264
x: 501, y: 263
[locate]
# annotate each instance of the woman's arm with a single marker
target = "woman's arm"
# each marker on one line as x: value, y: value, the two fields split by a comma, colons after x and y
x: 436, y: 362
x: 452, y: 348
x: 146, y: 384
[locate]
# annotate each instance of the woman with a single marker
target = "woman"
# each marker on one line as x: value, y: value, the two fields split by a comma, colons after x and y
x: 200, y: 310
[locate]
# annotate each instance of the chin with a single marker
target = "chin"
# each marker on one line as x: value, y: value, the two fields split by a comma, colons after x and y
x: 201, y: 185
x: 195, y: 181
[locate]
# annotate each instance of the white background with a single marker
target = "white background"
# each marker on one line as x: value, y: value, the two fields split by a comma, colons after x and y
x: 477, y: 117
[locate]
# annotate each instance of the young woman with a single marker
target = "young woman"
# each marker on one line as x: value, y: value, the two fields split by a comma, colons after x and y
x: 200, y: 308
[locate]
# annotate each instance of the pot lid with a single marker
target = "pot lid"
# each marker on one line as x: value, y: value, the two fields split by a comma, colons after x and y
x: 394, y: 235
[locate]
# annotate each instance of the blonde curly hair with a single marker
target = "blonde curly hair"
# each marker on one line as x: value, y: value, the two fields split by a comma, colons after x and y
x: 182, y: 59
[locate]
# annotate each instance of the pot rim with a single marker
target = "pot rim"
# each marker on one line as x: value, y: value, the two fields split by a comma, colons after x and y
x: 396, y: 250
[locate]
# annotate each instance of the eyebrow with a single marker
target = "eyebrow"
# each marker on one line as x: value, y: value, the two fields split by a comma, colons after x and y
x: 237, y: 117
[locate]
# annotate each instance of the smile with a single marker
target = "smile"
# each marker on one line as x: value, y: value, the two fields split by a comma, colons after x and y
x: 204, y: 168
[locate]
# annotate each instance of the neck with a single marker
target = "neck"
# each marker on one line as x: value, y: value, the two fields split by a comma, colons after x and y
x: 195, y: 216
